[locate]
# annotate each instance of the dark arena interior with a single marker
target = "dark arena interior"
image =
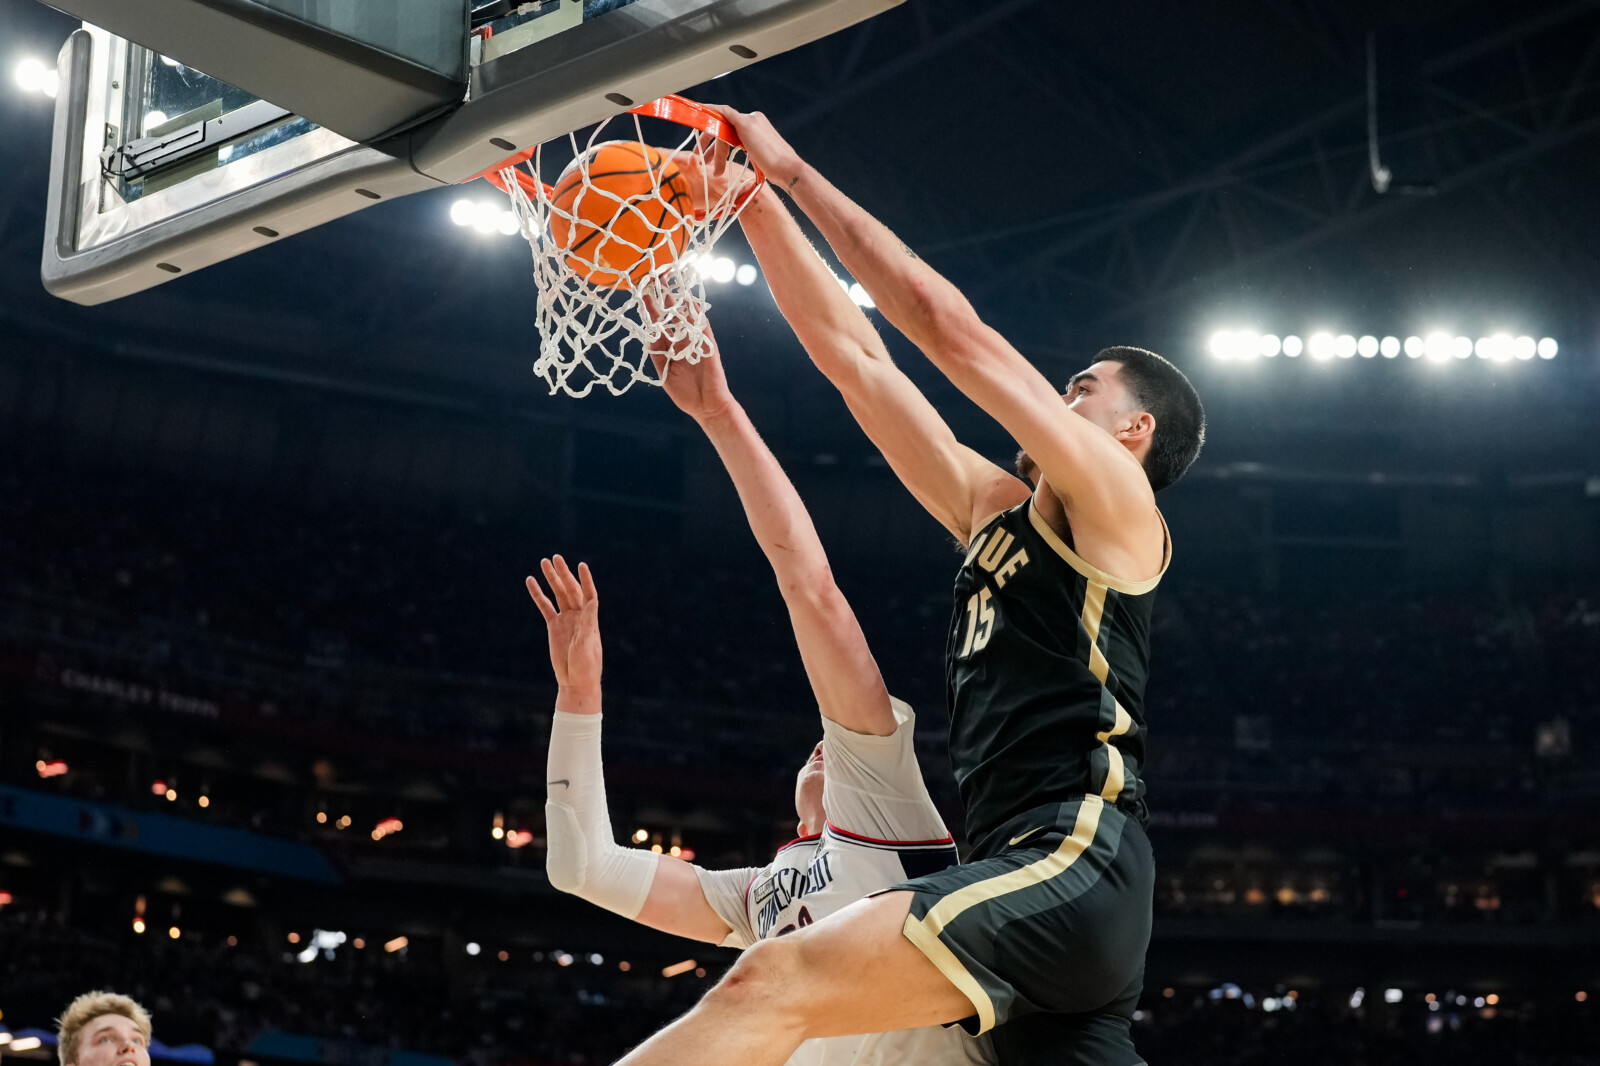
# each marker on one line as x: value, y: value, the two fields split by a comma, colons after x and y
x: 274, y: 704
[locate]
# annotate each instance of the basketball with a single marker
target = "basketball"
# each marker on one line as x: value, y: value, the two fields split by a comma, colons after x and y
x: 620, y: 211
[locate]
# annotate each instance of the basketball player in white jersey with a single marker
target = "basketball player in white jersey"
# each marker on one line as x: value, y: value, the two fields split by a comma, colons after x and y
x: 865, y: 818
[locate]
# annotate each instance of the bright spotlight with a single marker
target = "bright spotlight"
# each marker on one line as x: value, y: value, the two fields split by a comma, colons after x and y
x: 485, y: 217
x: 1293, y: 346
x: 462, y: 212
x: 860, y: 296
x: 1547, y: 348
x: 746, y: 274
x: 1437, y: 347
x: 1482, y: 347
x: 1461, y: 347
x: 1393, y: 995
x: 1414, y: 347
x: 1390, y: 347
x: 1367, y: 347
x: 34, y: 76
x: 1270, y: 345
x: 722, y: 269
x: 1246, y: 344
x: 1524, y: 348
x: 153, y: 119
x: 1321, y: 345
x: 508, y: 223
x: 1222, y: 344
x: 1344, y: 346
x: 1500, y: 346
x: 473, y: 948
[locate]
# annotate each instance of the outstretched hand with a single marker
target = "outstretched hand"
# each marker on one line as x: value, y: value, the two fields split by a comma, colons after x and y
x: 699, y: 388
x: 716, y: 184
x: 573, y: 622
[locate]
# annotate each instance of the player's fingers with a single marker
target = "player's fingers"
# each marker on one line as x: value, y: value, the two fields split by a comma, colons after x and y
x: 584, y: 576
x: 540, y: 600
x: 569, y: 585
x: 548, y: 568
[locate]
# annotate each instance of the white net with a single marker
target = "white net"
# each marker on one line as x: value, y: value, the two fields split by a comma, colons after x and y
x: 623, y: 243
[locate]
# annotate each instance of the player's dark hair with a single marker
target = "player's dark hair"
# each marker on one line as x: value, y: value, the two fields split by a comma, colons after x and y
x: 1161, y: 389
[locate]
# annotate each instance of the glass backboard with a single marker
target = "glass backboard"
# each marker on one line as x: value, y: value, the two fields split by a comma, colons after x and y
x: 159, y: 169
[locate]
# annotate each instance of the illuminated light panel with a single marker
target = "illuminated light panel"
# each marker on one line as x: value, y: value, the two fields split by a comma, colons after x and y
x: 1548, y: 348
x: 1389, y: 347
x: 27, y: 1043
x: 1415, y: 347
x: 1270, y: 345
x: 1344, y: 346
x: 746, y: 274
x: 1321, y: 345
x: 1461, y: 347
x: 1524, y: 348
x: 1436, y: 346
x: 1293, y: 346
x: 1367, y: 347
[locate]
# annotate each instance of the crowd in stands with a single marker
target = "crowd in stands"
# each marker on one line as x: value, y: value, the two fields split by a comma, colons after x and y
x: 533, y: 1011
x: 418, y: 626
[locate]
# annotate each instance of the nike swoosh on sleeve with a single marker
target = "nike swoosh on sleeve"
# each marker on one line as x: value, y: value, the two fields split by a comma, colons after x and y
x: 564, y: 783
x: 1020, y: 837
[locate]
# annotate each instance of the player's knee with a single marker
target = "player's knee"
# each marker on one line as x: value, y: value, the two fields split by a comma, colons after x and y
x: 764, y: 980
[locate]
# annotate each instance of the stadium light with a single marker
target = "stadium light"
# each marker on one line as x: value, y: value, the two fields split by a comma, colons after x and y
x: 36, y: 76
x: 746, y: 274
x: 1393, y: 995
x: 1415, y: 347
x: 1390, y: 347
x: 473, y: 948
x: 1321, y: 345
x: 1461, y: 347
x: 1548, y: 348
x: 1367, y: 347
x: 51, y: 767
x: 392, y: 946
x: 1436, y: 346
x: 1344, y: 346
x: 5, y: 1038
x: 860, y: 296
x: 1525, y: 348
x: 27, y: 1043
x: 1293, y: 346
x: 1270, y: 345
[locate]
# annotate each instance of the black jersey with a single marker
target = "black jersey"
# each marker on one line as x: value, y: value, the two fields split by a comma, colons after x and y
x: 1045, y: 672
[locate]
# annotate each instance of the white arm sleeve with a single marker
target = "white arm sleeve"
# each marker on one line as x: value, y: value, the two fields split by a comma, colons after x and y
x: 583, y: 857
x: 873, y: 786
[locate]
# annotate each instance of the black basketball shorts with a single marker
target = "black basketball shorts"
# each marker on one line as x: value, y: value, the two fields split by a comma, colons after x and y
x: 1054, y: 924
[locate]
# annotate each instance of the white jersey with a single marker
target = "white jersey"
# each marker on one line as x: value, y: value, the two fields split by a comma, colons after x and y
x: 882, y: 829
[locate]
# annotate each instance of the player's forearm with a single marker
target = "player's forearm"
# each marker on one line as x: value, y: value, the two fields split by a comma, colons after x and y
x: 777, y: 517
x: 914, y: 297
x: 834, y: 332
x: 583, y: 857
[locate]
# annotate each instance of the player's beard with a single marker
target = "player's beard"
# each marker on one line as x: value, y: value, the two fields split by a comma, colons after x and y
x: 1027, y: 469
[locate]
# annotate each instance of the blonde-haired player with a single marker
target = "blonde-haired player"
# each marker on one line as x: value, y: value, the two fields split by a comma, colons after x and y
x: 103, y: 1029
x: 865, y: 818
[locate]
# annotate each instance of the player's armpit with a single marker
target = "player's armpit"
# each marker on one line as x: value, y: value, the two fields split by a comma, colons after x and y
x: 1098, y: 480
x: 677, y: 904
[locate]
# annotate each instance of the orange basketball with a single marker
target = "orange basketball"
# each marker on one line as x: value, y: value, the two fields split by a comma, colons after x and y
x: 620, y: 211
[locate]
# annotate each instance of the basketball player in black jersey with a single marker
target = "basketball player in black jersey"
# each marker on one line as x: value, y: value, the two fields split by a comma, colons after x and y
x: 1041, y: 935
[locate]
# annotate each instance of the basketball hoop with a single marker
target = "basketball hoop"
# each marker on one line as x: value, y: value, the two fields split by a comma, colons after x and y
x: 620, y: 255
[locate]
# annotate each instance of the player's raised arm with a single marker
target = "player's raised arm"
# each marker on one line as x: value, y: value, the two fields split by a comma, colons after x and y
x: 1093, y: 473
x: 957, y: 485
x: 660, y: 891
x: 844, y: 676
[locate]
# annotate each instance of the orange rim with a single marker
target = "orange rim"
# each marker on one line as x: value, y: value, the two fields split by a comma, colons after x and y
x: 674, y: 108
